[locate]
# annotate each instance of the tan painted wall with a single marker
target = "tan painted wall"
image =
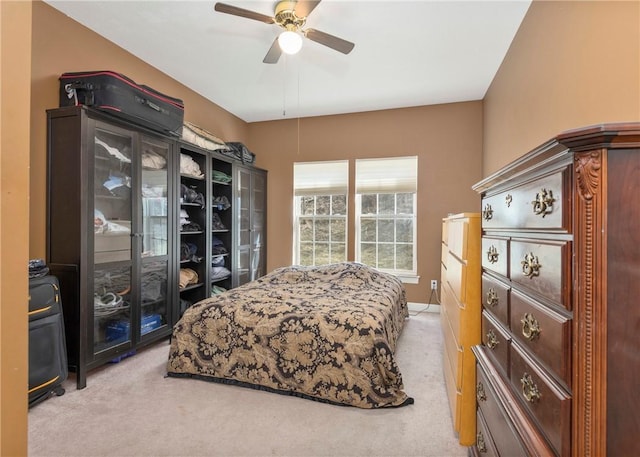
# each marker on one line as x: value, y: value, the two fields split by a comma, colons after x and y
x: 62, y: 45
x: 572, y: 64
x: 446, y: 139
x: 15, y: 74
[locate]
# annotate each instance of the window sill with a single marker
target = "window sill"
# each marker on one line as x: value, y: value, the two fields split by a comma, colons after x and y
x: 409, y: 279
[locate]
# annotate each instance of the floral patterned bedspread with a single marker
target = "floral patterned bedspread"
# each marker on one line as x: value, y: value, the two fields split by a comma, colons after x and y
x: 327, y: 333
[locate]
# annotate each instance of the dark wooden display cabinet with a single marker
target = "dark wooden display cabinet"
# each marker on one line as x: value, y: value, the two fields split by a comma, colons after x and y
x: 111, y: 232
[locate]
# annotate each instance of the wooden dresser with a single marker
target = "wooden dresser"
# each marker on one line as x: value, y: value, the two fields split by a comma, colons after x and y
x: 558, y: 370
x: 460, y: 318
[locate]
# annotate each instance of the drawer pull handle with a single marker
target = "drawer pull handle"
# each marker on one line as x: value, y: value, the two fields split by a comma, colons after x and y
x: 508, y: 199
x: 530, y: 265
x: 492, y: 254
x: 530, y: 327
x: 529, y: 388
x: 543, y: 204
x: 480, y: 395
x: 487, y: 212
x: 480, y: 444
x: 492, y: 297
x: 492, y: 339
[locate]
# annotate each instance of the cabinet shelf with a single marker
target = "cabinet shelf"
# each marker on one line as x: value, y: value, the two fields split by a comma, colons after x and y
x: 191, y: 287
x: 195, y: 178
x: 217, y: 280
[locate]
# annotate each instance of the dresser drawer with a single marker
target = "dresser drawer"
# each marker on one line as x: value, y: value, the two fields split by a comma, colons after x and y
x: 452, y: 349
x: 457, y: 277
x: 484, y: 440
x: 542, y: 266
x: 503, y: 434
x: 496, y: 340
x: 453, y: 393
x: 546, y: 333
x: 495, y: 256
x: 444, y: 254
x: 450, y: 309
x: 537, y: 204
x: 457, y: 240
x: 445, y: 231
x: 548, y: 403
x: 495, y: 298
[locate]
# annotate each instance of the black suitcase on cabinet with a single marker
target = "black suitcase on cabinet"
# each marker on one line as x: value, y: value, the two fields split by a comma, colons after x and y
x: 115, y: 93
x: 47, y: 346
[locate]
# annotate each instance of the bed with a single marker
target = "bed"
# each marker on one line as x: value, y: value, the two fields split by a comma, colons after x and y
x: 325, y: 333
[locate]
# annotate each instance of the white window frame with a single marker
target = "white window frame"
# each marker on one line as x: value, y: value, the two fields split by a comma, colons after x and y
x: 387, y: 176
x: 319, y: 179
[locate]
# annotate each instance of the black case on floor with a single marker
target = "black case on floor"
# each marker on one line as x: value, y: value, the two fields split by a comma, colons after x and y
x: 47, y: 346
x: 115, y: 93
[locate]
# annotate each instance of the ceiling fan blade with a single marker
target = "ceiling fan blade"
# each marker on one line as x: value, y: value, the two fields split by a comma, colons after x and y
x: 304, y: 7
x: 331, y: 41
x: 229, y: 9
x: 274, y: 53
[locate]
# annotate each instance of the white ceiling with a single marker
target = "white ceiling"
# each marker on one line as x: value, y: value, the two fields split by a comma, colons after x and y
x: 407, y: 53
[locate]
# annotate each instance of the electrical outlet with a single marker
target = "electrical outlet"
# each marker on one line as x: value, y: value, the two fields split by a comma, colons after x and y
x: 434, y: 284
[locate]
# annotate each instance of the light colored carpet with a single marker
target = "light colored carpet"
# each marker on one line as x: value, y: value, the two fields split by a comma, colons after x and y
x: 132, y: 409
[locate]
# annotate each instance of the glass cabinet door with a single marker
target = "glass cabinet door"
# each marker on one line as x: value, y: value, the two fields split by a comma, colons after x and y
x: 243, y: 226
x: 112, y: 243
x: 155, y: 234
x: 155, y: 184
x: 258, y: 205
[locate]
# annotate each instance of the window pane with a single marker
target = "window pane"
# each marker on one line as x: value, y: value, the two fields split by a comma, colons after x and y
x: 323, y: 205
x: 369, y: 204
x: 307, y: 205
x: 306, y: 254
x: 338, y: 230
x: 368, y: 230
x: 338, y: 252
x: 386, y: 203
x: 318, y: 227
x: 404, y: 253
x: 385, y: 256
x: 322, y: 253
x: 339, y: 205
x: 385, y: 230
x: 405, y: 203
x: 368, y: 254
x: 404, y: 230
x: 306, y: 229
x: 322, y: 230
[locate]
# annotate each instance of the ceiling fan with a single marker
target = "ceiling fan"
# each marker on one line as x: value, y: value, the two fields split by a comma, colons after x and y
x: 291, y: 15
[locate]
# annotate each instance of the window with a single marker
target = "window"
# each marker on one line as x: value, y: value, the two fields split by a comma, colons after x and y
x: 386, y: 214
x: 320, y: 212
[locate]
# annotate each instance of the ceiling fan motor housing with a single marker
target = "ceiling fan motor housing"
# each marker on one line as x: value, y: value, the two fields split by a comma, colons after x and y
x: 286, y: 16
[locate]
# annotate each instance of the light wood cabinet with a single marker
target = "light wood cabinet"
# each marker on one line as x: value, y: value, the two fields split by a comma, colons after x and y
x: 460, y: 317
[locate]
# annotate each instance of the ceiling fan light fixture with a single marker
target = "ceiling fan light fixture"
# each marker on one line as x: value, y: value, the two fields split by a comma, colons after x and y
x: 290, y: 42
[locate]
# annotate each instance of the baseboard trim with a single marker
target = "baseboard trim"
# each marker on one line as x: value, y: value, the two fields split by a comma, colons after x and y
x: 423, y: 307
